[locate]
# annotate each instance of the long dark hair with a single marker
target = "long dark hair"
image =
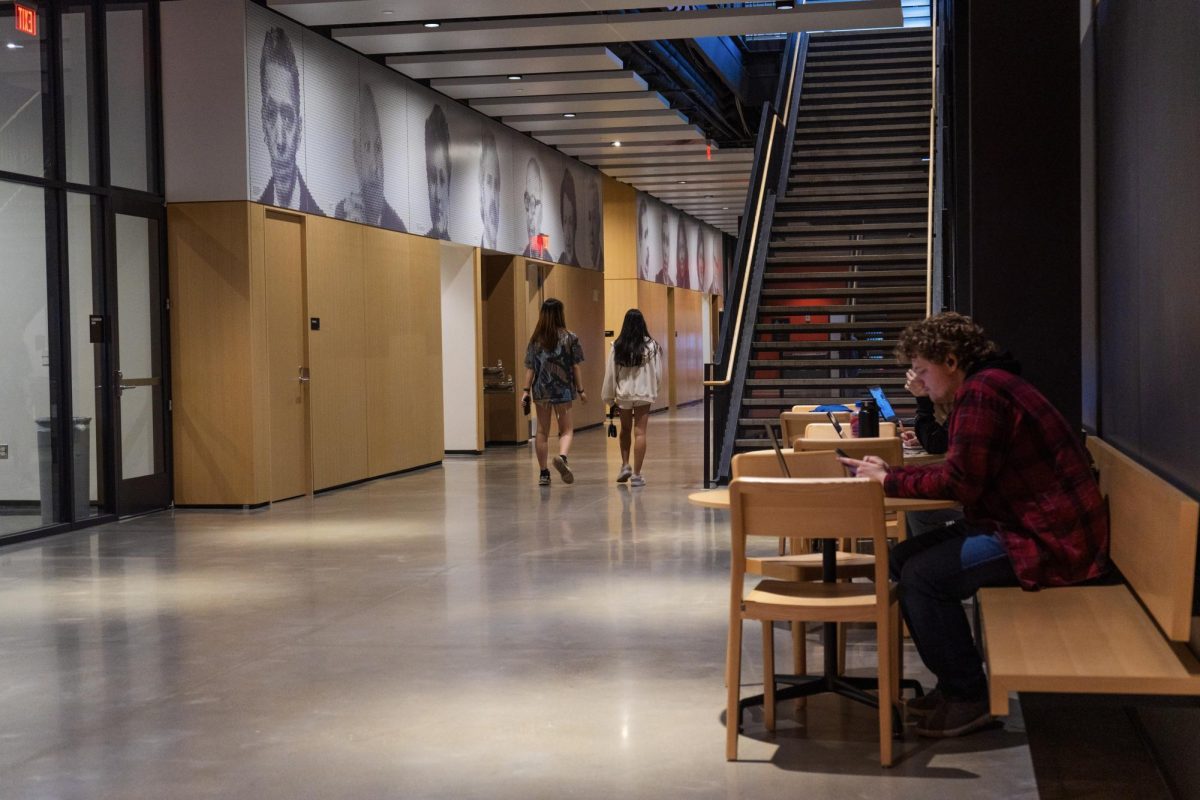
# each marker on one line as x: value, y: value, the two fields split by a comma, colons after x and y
x: 630, y: 348
x: 551, y: 322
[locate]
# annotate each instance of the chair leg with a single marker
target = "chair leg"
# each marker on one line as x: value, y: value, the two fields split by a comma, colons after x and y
x: 768, y: 628
x: 799, y: 648
x: 841, y: 646
x: 897, y: 654
x: 885, y: 641
x: 733, y: 682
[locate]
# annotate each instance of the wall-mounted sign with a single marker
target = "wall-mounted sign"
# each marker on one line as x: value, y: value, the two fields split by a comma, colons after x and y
x: 26, y: 19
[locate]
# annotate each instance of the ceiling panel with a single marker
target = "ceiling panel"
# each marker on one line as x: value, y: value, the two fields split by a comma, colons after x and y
x: 629, y: 174
x: 533, y: 31
x: 564, y: 103
x: 357, y: 12
x: 624, y: 120
x: 548, y: 84
x: 496, y: 62
x: 599, y: 148
x: 668, y: 133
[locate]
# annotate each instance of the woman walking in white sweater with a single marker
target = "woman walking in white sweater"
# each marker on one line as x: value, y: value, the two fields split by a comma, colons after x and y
x: 632, y: 377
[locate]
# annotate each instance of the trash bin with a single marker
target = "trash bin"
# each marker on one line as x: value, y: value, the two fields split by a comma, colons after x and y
x: 80, y: 452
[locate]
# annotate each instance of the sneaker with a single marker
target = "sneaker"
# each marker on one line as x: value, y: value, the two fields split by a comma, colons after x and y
x: 637, y: 480
x: 624, y: 474
x: 921, y: 707
x: 955, y: 718
x: 544, y: 478
x: 560, y: 464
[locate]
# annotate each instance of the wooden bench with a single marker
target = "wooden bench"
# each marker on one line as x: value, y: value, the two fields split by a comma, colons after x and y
x: 1129, y: 639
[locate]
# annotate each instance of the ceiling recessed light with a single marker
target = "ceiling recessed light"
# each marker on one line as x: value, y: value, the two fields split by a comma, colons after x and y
x: 568, y: 115
x: 616, y: 144
x: 389, y: 12
x: 682, y: 182
x: 15, y: 46
x: 784, y: 5
x: 433, y: 24
x: 724, y: 208
x: 514, y: 77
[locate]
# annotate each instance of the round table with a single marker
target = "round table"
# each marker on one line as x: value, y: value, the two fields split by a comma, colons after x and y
x: 719, y: 498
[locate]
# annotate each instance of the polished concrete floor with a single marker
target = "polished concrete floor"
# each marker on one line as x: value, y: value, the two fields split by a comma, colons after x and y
x: 456, y: 632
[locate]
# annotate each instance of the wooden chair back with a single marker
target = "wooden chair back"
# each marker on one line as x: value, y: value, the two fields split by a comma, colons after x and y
x: 1152, y: 537
x: 793, y: 423
x: 807, y: 508
x: 825, y: 430
x: 765, y: 464
x: 890, y: 450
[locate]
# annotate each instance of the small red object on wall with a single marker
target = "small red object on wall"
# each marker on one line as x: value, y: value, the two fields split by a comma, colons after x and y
x: 26, y: 19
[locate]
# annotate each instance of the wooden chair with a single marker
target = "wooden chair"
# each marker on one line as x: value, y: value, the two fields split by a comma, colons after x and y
x: 809, y: 509
x: 801, y: 564
x: 793, y: 423
x: 819, y: 429
x: 890, y: 449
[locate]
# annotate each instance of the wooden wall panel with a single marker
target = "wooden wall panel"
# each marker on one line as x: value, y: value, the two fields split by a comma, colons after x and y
x: 689, y: 346
x: 421, y: 356
x: 619, y: 297
x: 503, y: 308
x: 337, y: 351
x: 582, y: 294
x: 620, y: 230
x: 652, y: 300
x: 212, y: 355
x: 385, y: 273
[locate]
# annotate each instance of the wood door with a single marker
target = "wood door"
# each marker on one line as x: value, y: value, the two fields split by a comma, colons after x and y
x: 287, y: 359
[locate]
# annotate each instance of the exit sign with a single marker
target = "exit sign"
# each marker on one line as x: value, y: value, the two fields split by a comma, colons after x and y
x: 26, y: 19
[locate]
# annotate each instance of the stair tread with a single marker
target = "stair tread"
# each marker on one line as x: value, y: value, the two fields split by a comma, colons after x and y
x: 857, y: 275
x: 780, y: 383
x: 866, y: 177
x: 878, y: 241
x: 828, y: 344
x: 801, y: 165
x: 825, y: 363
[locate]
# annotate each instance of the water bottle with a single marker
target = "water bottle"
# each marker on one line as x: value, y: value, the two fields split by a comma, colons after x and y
x: 868, y: 420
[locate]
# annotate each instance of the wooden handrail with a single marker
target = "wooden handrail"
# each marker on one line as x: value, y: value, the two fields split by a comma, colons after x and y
x: 751, y: 252
x: 750, y: 256
x: 932, y: 158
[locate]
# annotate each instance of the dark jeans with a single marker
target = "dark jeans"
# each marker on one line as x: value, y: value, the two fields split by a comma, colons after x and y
x: 937, y: 571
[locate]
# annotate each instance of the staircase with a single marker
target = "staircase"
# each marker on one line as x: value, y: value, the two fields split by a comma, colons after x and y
x: 846, y: 265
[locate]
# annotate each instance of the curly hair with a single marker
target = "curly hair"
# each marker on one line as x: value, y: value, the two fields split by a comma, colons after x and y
x: 946, y: 334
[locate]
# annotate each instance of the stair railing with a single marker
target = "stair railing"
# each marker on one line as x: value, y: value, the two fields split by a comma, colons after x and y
x: 930, y: 227
x: 772, y: 149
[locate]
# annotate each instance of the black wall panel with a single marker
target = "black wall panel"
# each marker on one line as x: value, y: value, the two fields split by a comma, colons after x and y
x: 1148, y: 221
x: 1020, y: 198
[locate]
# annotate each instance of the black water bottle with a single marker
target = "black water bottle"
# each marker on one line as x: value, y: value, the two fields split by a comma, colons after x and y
x: 868, y: 420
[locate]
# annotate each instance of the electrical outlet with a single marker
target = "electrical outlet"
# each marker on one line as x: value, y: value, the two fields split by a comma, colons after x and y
x: 3, y: 451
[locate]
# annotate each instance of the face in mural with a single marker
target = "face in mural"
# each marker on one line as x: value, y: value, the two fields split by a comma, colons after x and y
x: 683, y: 277
x: 569, y: 219
x: 593, y: 227
x: 665, y: 273
x: 280, y: 81
x: 368, y: 156
x: 533, y: 206
x: 702, y: 272
x: 489, y: 190
x: 437, y: 172
x: 645, y: 270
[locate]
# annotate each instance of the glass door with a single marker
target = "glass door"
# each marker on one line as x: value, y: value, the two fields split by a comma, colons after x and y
x: 139, y: 382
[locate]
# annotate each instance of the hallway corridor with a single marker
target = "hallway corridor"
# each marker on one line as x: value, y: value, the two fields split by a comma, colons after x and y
x: 451, y: 633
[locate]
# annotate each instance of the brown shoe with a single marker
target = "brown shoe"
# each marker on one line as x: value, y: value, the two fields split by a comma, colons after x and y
x: 921, y: 707
x: 955, y: 718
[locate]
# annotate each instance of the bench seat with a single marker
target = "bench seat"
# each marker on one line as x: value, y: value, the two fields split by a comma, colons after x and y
x: 1130, y: 639
x: 1079, y: 640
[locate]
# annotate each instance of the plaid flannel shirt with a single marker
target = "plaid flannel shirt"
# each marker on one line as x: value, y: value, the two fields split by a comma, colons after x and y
x: 1019, y: 470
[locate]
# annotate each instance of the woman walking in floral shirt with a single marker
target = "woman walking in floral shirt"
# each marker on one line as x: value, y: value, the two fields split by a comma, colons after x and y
x: 553, y: 380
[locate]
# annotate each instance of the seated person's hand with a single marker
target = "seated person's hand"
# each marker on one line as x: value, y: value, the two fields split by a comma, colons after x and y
x: 914, y: 385
x: 909, y: 438
x: 872, y: 467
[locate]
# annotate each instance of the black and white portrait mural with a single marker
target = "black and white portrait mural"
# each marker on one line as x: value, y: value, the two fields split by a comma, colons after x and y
x: 336, y: 134
x: 676, y: 250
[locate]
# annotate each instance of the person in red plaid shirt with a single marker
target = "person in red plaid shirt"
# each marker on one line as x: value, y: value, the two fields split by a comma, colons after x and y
x: 1032, y: 510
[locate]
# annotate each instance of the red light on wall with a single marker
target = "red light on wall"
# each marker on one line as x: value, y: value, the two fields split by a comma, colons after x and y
x: 708, y: 150
x: 26, y: 19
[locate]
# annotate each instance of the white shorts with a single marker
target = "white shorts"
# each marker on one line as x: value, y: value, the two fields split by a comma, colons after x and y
x: 629, y: 405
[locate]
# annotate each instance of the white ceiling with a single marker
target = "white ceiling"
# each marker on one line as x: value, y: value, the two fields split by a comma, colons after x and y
x: 558, y: 47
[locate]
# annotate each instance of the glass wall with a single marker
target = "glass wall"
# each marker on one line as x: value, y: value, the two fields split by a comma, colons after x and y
x: 80, y: 262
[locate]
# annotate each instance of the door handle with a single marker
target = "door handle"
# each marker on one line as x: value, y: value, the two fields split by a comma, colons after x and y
x: 304, y: 376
